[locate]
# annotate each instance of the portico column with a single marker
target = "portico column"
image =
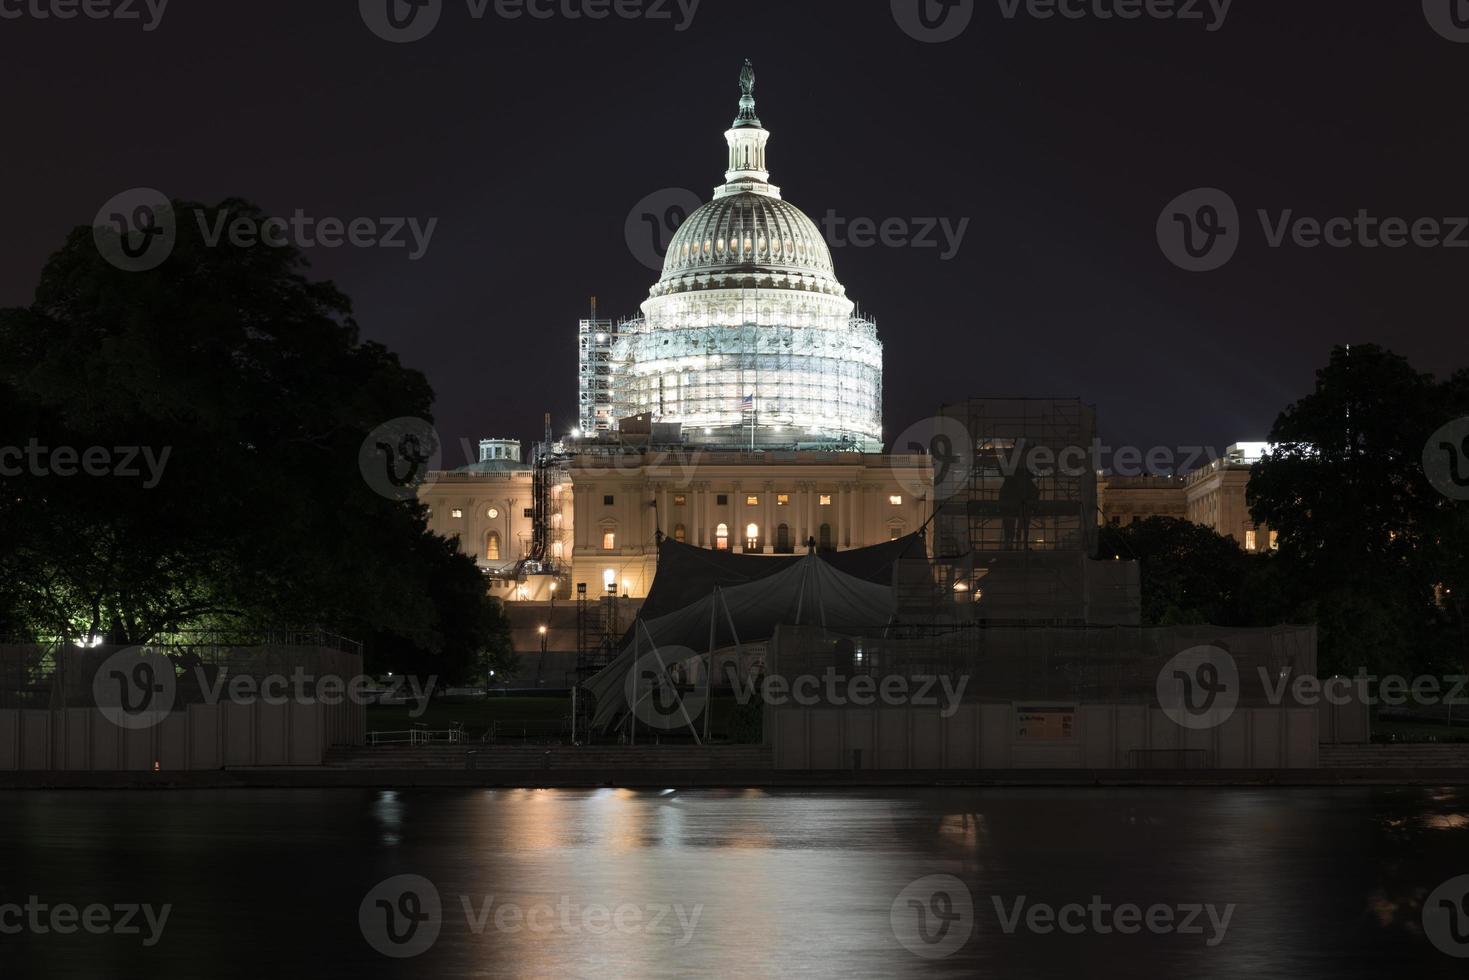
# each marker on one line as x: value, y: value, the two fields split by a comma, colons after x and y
x: 767, y: 499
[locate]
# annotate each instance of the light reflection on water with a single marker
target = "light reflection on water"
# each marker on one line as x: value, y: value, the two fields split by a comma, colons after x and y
x: 752, y: 883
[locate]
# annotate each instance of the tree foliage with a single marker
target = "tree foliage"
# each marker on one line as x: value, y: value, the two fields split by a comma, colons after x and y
x: 255, y: 383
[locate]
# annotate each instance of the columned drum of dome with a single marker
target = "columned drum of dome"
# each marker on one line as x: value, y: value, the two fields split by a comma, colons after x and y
x: 748, y: 338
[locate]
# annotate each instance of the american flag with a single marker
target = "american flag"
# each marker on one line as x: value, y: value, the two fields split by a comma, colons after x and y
x: 748, y: 403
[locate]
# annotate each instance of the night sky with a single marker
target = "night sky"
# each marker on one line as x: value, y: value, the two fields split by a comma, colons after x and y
x: 1060, y: 141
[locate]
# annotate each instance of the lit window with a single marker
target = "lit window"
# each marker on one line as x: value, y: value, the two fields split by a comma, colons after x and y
x: 609, y: 540
x: 896, y: 499
x: 752, y: 500
x: 558, y: 550
x: 1249, y: 540
x: 752, y: 537
x: 826, y: 500
x: 721, y: 538
x: 492, y: 547
x: 492, y: 513
x: 679, y: 500
x: 679, y: 533
x: 782, y: 500
x: 456, y: 513
x: 1274, y: 540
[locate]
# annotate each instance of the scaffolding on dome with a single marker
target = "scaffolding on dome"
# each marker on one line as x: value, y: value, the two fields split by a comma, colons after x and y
x: 754, y: 384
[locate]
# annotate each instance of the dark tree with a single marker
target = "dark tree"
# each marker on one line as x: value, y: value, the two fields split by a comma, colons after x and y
x: 250, y: 383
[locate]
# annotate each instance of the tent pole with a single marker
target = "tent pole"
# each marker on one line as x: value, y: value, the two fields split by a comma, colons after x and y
x: 681, y: 708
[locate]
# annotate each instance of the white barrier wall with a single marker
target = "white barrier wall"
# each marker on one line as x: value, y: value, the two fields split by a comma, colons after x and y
x: 201, y: 737
x: 985, y: 736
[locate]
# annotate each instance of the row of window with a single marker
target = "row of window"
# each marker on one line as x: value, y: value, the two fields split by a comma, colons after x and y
x: 753, y: 500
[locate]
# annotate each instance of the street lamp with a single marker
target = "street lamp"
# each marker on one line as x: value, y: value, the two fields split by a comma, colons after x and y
x: 542, y: 631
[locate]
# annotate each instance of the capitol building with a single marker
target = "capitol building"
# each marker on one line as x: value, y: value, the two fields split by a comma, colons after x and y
x: 740, y: 411
x: 748, y: 339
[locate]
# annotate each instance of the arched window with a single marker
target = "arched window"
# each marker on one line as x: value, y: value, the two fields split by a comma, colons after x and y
x: 721, y: 538
x: 783, y: 540
x: 824, y: 541
x: 752, y: 537
x: 492, y: 546
x: 679, y: 533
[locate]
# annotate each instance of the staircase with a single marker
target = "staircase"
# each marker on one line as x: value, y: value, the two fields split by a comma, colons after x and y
x: 610, y: 758
x: 1420, y: 756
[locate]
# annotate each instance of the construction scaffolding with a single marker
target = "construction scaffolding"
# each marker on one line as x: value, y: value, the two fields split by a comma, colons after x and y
x: 1013, y: 542
x: 768, y: 373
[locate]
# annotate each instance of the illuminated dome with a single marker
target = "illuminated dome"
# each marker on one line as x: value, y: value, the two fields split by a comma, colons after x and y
x: 748, y: 338
x: 748, y: 240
